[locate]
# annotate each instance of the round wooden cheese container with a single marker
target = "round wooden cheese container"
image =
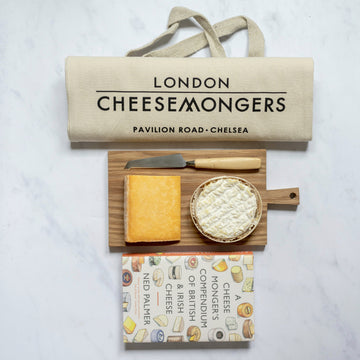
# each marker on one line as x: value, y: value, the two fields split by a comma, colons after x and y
x: 242, y: 234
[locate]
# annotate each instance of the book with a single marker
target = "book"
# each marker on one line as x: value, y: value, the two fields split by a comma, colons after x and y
x: 188, y: 297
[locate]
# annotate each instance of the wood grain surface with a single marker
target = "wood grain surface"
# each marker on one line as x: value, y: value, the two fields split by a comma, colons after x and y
x: 191, y: 178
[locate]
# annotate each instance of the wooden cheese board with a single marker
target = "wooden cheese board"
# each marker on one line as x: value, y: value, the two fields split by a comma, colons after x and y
x: 191, y: 178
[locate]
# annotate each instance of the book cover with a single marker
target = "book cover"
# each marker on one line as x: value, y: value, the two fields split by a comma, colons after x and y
x: 188, y: 297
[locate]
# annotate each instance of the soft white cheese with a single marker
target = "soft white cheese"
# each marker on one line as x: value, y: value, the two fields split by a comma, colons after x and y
x: 225, y: 208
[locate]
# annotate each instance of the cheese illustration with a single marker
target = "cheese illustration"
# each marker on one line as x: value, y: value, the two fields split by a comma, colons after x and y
x: 161, y: 320
x: 178, y: 324
x: 136, y: 263
x: 193, y: 333
x: 126, y: 302
x: 154, y: 260
x: 220, y: 265
x: 237, y: 274
x: 140, y: 335
x: 172, y: 259
x: 188, y: 297
x: 234, y: 337
x: 152, y: 208
x: 231, y: 323
x: 129, y: 325
x: 249, y: 261
x: 245, y: 310
x: 207, y: 257
x: 248, y: 285
x: 157, y: 335
x: 158, y: 277
x: 248, y: 329
x: 217, y: 334
x: 225, y: 208
x: 174, y: 272
x: 175, y: 339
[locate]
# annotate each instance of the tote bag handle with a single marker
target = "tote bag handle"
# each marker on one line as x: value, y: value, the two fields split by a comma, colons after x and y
x: 210, y: 36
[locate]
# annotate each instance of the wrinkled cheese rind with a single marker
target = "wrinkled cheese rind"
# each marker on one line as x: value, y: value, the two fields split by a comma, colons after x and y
x: 225, y: 208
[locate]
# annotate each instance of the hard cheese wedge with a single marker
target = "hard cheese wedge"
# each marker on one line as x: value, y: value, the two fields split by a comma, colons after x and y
x: 152, y: 208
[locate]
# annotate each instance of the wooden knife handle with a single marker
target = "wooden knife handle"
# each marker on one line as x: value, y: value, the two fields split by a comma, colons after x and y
x: 231, y: 163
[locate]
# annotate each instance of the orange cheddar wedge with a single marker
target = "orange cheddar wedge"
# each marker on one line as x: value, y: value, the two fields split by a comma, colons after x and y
x: 152, y: 208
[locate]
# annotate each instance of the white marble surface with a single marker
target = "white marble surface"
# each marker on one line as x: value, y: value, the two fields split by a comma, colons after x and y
x: 59, y: 284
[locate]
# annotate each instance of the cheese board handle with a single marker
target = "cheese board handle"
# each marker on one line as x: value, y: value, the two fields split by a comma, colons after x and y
x: 290, y: 196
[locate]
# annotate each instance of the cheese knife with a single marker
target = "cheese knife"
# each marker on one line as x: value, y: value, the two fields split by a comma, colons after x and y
x: 176, y: 161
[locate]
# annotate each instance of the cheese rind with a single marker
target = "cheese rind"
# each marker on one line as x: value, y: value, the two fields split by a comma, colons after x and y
x: 226, y: 208
x: 152, y: 208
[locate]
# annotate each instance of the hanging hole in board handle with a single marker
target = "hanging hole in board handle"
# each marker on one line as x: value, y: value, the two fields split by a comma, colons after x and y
x: 292, y: 195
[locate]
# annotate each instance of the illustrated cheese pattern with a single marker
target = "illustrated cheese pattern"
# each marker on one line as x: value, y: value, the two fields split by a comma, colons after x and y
x: 178, y: 324
x: 129, y: 325
x: 152, y: 208
x: 140, y: 336
x: 248, y: 285
x: 161, y: 320
x: 147, y: 319
x: 249, y: 262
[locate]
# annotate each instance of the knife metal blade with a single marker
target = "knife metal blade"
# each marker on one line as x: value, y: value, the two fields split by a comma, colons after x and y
x: 167, y: 161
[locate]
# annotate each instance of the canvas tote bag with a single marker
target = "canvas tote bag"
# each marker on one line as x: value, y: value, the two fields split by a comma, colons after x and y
x: 164, y: 96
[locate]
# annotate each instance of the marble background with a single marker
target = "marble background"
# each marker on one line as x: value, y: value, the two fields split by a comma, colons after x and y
x: 60, y: 287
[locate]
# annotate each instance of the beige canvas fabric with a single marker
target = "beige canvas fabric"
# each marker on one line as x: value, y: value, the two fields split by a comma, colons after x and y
x: 164, y: 96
